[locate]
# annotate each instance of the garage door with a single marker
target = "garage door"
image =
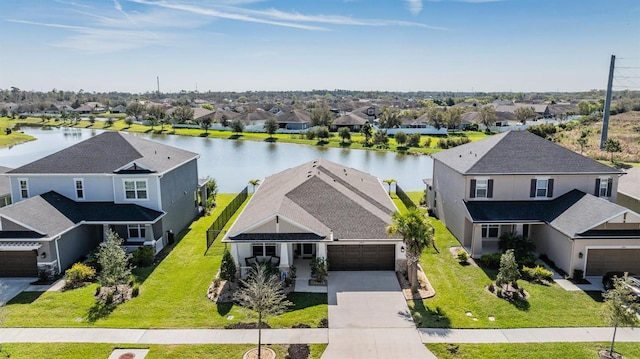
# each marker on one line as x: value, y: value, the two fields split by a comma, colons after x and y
x: 18, y: 264
x: 361, y: 257
x: 600, y: 261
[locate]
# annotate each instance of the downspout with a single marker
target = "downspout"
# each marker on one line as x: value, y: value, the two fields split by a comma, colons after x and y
x: 573, y: 252
x: 58, y: 255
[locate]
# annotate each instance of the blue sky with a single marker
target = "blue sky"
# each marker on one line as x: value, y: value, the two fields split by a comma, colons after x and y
x: 238, y: 45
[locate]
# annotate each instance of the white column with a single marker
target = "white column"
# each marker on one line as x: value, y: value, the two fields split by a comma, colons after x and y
x: 284, y: 255
x: 519, y: 228
x: 321, y: 250
x: 476, y: 241
x: 105, y: 232
x: 148, y: 233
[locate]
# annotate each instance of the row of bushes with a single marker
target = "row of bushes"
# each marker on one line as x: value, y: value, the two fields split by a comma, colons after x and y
x: 452, y: 142
x: 530, y: 271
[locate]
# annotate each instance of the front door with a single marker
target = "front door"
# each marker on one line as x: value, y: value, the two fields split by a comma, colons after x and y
x: 307, y: 250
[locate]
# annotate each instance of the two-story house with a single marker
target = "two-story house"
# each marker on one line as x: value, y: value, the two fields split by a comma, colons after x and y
x: 65, y: 203
x: 521, y: 183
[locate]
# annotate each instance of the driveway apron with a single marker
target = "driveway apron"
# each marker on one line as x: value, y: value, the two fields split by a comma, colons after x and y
x: 369, y: 318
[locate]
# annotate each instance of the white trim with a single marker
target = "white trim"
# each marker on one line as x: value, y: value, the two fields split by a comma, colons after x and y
x: 486, y: 187
x: 546, y: 189
x: 75, y: 188
x: 159, y: 192
x: 135, y: 188
x: 587, y: 248
x: 608, y: 219
x: 58, y: 254
x: 22, y: 224
x: 134, y: 162
x: 272, y: 217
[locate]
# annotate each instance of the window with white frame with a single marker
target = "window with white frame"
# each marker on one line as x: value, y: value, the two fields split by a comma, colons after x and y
x: 490, y: 231
x: 542, y: 184
x: 136, y: 231
x: 482, y: 186
x: 603, y: 189
x: 79, y: 187
x: 24, y: 188
x: 135, y: 189
x: 258, y: 250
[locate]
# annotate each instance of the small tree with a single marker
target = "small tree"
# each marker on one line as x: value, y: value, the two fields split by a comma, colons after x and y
x: 620, y: 308
x: 380, y: 138
x: 205, y: 124
x: 389, y: 182
x: 237, y: 126
x: 262, y: 293
x: 323, y: 133
x: 254, y: 183
x: 114, y: 262
x: 612, y: 145
x: 508, y: 273
x: 228, y: 267
x: 344, y: 133
x: 367, y: 132
x: 92, y: 119
x: 487, y: 116
x: 401, y: 138
x: 128, y: 120
x: 582, y: 142
x: 271, y: 126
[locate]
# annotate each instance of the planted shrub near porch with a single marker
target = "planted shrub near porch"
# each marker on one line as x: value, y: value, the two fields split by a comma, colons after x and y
x: 78, y: 275
x: 319, y: 269
x: 537, y: 274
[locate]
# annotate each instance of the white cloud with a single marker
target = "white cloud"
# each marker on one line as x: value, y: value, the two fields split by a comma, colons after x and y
x: 415, y: 6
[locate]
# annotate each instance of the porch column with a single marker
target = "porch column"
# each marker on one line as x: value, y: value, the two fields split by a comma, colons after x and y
x: 476, y: 241
x: 321, y: 250
x: 284, y: 255
x: 105, y: 232
x: 148, y: 233
x: 519, y: 229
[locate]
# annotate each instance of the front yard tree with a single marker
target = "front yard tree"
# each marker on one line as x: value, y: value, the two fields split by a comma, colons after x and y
x: 263, y: 294
x: 612, y: 145
x: 417, y: 234
x: 228, y: 267
x: 344, y: 133
x: 508, y: 273
x: 114, y: 262
x: 620, y: 308
x: 271, y: 126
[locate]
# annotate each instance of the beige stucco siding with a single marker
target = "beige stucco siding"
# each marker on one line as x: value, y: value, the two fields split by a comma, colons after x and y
x: 554, y: 244
x: 282, y: 227
x: 449, y: 187
x: 628, y: 201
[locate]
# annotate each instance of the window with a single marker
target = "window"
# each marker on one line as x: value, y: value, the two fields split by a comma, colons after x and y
x: 541, y: 187
x: 259, y: 250
x: 481, y: 188
x: 24, y: 188
x: 135, y: 189
x: 136, y: 231
x: 603, y: 187
x: 79, y: 185
x: 490, y: 231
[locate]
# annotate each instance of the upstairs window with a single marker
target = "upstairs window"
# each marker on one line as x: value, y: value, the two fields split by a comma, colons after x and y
x: 603, y: 187
x: 135, y: 189
x: 541, y: 188
x: 79, y: 186
x: 481, y: 188
x: 24, y: 188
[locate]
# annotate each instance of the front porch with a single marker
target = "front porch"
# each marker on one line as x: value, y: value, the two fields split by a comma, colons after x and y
x: 483, y: 238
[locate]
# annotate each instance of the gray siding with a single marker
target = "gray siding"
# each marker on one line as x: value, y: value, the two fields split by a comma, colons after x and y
x: 77, y: 243
x: 178, y: 189
x: 97, y: 188
x: 449, y: 187
x: 7, y: 225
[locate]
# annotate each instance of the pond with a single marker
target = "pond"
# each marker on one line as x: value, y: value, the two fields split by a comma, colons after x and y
x: 233, y: 163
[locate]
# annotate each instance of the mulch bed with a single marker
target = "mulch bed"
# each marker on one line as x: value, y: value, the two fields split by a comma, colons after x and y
x: 604, y: 354
x: 298, y: 351
x: 424, y: 291
x: 266, y: 353
x: 223, y: 292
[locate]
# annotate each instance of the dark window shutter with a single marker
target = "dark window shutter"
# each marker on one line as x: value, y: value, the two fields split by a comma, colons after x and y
x: 609, y: 187
x: 597, y: 192
x: 550, y: 188
x: 490, y: 188
x: 533, y: 188
x: 473, y: 189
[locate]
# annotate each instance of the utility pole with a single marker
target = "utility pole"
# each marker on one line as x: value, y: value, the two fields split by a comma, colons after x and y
x: 607, y: 103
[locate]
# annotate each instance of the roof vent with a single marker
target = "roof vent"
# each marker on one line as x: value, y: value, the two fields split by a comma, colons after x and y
x: 168, y: 157
x: 459, y: 155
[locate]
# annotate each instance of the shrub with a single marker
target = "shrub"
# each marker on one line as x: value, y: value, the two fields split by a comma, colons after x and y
x: 319, y: 269
x: 310, y: 134
x: 490, y: 260
x: 413, y: 140
x: 492, y: 288
x: 427, y: 142
x: 462, y: 255
x: 135, y: 291
x: 228, y: 267
x: 143, y: 256
x: 78, y: 274
x: 536, y: 274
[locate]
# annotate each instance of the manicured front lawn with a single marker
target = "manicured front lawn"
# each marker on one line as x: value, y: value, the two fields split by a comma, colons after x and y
x: 461, y: 289
x: 172, y: 295
x: 101, y: 351
x: 531, y: 350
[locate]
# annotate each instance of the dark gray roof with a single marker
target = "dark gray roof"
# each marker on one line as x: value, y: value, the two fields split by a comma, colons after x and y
x: 349, y: 119
x: 573, y: 213
x: 518, y: 152
x: 295, y: 116
x: 278, y: 237
x: 321, y: 196
x: 52, y: 213
x: 20, y: 235
x: 108, y: 152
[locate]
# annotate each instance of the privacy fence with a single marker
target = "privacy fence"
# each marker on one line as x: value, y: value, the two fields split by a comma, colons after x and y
x: 223, y: 218
x: 404, y: 198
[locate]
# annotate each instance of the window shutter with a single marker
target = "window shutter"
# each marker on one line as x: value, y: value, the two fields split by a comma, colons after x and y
x: 532, y: 193
x: 597, y: 192
x: 609, y: 187
x: 490, y: 188
x: 550, y: 188
x: 473, y: 189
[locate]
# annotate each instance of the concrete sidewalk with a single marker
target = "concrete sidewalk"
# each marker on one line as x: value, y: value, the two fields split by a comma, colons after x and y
x: 528, y: 335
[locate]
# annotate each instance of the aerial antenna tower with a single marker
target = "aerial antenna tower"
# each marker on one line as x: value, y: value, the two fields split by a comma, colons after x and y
x: 607, y: 103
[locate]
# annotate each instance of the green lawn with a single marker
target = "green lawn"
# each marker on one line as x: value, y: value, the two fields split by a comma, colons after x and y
x: 461, y: 289
x: 530, y: 350
x: 172, y: 295
x: 101, y: 351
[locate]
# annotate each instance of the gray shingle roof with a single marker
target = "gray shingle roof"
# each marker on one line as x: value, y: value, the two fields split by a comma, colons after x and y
x: 628, y: 184
x: 108, y: 152
x: 349, y: 119
x: 321, y: 196
x: 52, y: 213
x: 572, y: 213
x: 518, y: 152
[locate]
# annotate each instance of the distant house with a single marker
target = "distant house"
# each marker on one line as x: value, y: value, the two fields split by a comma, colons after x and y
x: 255, y: 118
x: 541, y: 110
x: 200, y: 114
x: 520, y: 183
x: 319, y: 209
x: 349, y: 120
x: 369, y: 112
x: 119, y: 109
x: 294, y: 120
x: 84, y: 109
x: 65, y: 203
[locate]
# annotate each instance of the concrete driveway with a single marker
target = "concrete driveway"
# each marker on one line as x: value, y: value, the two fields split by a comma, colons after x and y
x: 10, y: 287
x: 369, y: 318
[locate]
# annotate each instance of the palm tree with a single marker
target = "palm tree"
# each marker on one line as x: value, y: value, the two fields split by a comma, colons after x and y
x: 389, y: 182
x: 254, y: 183
x: 417, y: 234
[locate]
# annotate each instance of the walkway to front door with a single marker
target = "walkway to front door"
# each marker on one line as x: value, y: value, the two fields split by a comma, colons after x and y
x: 369, y: 318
